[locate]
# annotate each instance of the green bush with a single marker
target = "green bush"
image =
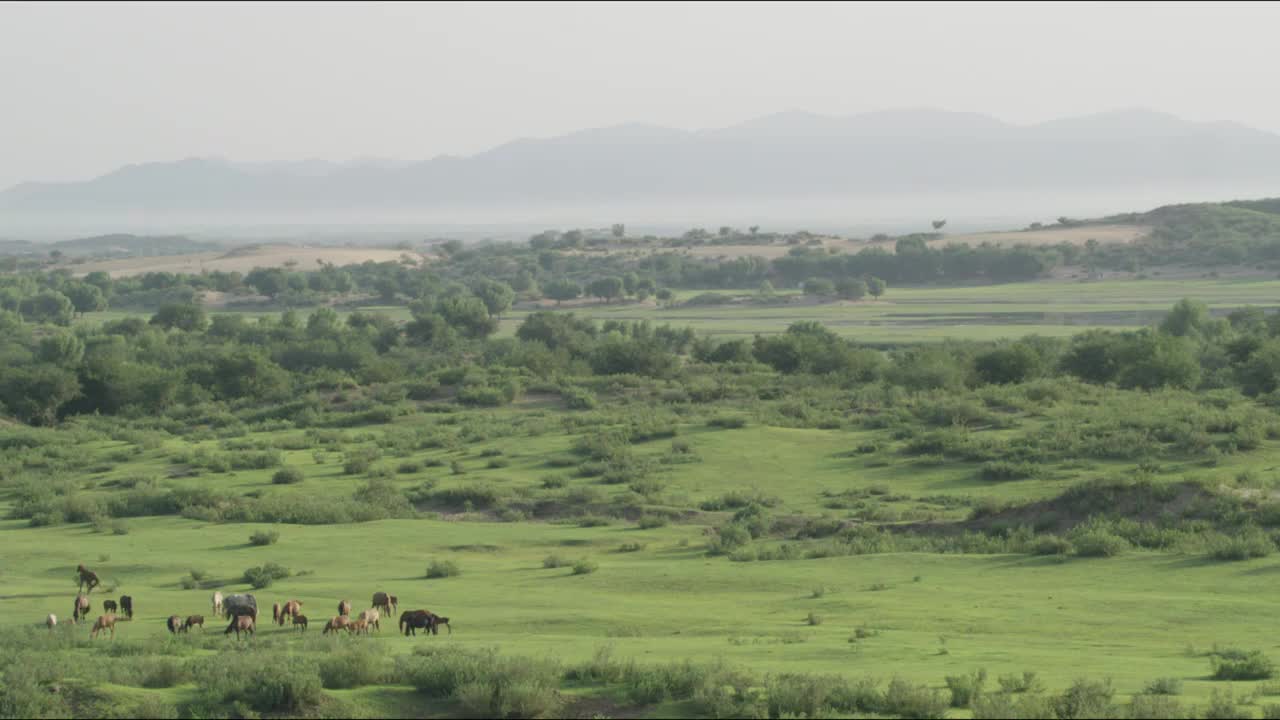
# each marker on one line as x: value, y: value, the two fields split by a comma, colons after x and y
x: 1156, y: 707
x: 1027, y: 682
x: 1163, y: 686
x: 813, y: 619
x: 649, y: 522
x: 1099, y: 543
x: 1086, y: 699
x: 1240, y: 665
x: 287, y: 476
x: 585, y: 567
x: 1051, y: 545
x: 264, y: 537
x: 554, y: 561
x: 909, y: 700
x: 262, y: 576
x: 630, y: 547
x: 966, y: 688
x: 443, y: 569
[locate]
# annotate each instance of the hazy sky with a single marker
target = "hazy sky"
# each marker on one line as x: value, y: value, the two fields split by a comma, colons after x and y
x: 85, y: 88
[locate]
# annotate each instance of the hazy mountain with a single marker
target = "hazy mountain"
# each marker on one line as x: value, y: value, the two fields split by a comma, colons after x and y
x: 784, y: 155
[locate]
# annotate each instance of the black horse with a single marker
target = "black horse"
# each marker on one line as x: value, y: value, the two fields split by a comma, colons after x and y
x: 411, y: 621
x: 126, y: 604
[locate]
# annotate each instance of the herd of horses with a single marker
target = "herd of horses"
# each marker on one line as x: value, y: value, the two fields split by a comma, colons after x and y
x: 242, y: 612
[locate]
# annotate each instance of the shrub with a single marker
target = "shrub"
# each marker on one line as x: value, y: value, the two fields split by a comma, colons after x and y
x: 1099, y: 543
x: 1086, y: 699
x: 585, y: 567
x: 1155, y: 707
x: 1027, y: 682
x: 287, y: 476
x: 649, y: 522
x: 630, y: 547
x: 966, y: 688
x: 119, y: 527
x: 262, y: 576
x: 264, y: 537
x: 1222, y: 706
x: 906, y: 699
x: 1004, y: 471
x: 1051, y: 545
x: 554, y: 482
x: 1163, y: 686
x: 1240, y: 665
x: 554, y: 561
x: 727, y: 422
x: 1251, y: 543
x: 443, y: 569
x: 813, y: 619
x: 408, y: 468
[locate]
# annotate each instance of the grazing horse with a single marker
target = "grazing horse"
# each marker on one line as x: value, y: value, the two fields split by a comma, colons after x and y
x: 437, y: 621
x: 51, y: 621
x: 174, y: 623
x: 87, y: 577
x: 81, y: 609
x: 372, y: 617
x: 300, y: 621
x: 192, y: 621
x: 109, y: 606
x: 104, y: 622
x: 413, y: 620
x: 289, y: 610
x: 275, y: 613
x: 126, y: 604
x: 344, y: 608
x: 381, y: 601
x: 242, y: 623
x: 338, y: 623
x: 217, y: 603
x: 359, y: 627
x: 395, y: 602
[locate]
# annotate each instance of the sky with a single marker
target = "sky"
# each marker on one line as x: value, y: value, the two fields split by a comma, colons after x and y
x: 86, y: 88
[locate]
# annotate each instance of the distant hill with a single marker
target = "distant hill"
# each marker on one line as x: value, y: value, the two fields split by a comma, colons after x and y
x: 108, y: 246
x: 785, y: 155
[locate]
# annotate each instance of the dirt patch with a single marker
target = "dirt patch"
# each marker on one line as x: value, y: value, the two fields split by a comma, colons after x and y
x: 244, y: 259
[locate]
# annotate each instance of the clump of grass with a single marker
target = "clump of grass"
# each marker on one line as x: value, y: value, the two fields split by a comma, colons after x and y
x: 408, y: 468
x: 443, y: 569
x: 1163, y: 686
x: 818, y: 592
x: 585, y: 566
x: 630, y: 547
x: 813, y: 619
x: 554, y: 482
x: 264, y: 537
x: 554, y: 561
x: 649, y: 522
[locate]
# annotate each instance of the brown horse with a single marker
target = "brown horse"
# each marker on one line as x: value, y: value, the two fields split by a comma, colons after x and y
x: 372, y: 617
x: 300, y: 621
x: 174, y: 623
x: 359, y: 627
x: 109, y: 606
x: 344, y: 608
x: 382, y: 601
x: 104, y: 622
x: 290, y: 610
x: 340, y: 622
x: 242, y: 623
x: 275, y: 613
x: 81, y: 609
x: 395, y: 603
x: 87, y: 577
x: 192, y: 621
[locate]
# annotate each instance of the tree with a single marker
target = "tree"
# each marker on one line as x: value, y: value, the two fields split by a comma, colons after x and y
x: 324, y: 322
x: 562, y: 289
x: 606, y: 288
x: 496, y: 296
x: 1011, y: 364
x: 754, y: 229
x: 725, y: 231
x: 938, y: 224
x: 1187, y: 317
x: 851, y: 288
x: 186, y: 317
x: 49, y: 306
x: 630, y: 282
x: 267, y: 281
x: 876, y: 286
x: 467, y: 315
x: 34, y: 394
x: 821, y: 287
x: 101, y: 280
x: 449, y: 248
x: 766, y: 290
x: 62, y: 349
x: 85, y: 297
x: 619, y: 230
x: 665, y: 295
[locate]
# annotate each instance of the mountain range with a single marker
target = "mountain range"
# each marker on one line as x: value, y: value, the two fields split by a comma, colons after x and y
x: 784, y: 155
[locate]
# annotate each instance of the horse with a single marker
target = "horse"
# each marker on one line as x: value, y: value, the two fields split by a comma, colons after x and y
x: 289, y: 610
x: 413, y: 620
x: 344, y: 608
x: 217, y: 602
x: 87, y: 577
x: 242, y: 623
x: 104, y: 622
x: 381, y: 601
x: 81, y: 608
x: 437, y: 621
x: 372, y: 617
x: 109, y: 606
x: 335, y: 624
x: 192, y: 621
x: 51, y: 621
x: 174, y: 623
x: 126, y: 604
x: 359, y: 627
x: 300, y: 621
x: 395, y: 602
x: 275, y: 613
